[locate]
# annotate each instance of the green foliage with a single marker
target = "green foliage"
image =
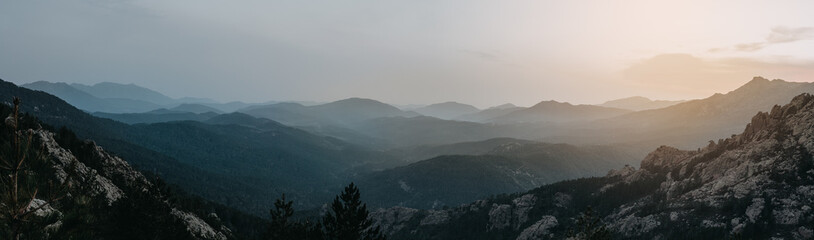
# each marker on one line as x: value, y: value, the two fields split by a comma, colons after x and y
x: 349, y: 218
x: 24, y: 186
x: 143, y: 213
x: 284, y: 228
x: 237, y: 165
x: 140, y: 216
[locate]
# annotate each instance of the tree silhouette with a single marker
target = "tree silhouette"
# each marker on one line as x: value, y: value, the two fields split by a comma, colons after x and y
x: 22, y: 195
x: 349, y: 218
x: 284, y: 228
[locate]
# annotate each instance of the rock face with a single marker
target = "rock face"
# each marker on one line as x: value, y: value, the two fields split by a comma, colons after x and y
x: 197, y: 227
x: 539, y: 230
x: 759, y: 184
x: 103, y: 179
x: 663, y: 157
x: 393, y: 218
x: 79, y: 174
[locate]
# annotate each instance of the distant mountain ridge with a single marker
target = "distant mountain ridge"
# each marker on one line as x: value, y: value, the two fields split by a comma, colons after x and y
x: 758, y: 184
x: 89, y: 102
x: 344, y: 112
x: 487, y: 115
x: 200, y: 157
x: 553, y: 111
x: 683, y: 124
x: 195, y: 108
x: 108, y: 97
x: 105, y: 90
x: 638, y: 103
x: 447, y: 110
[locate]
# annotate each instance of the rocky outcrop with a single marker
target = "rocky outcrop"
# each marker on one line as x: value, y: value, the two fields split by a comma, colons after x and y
x: 110, y: 176
x: 392, y: 220
x: 764, y: 168
x: 623, y: 172
x: 665, y: 157
x: 540, y: 229
x: 73, y: 172
x: 759, y: 183
x: 197, y: 227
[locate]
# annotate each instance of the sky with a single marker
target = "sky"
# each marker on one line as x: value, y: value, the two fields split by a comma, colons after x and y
x: 483, y: 53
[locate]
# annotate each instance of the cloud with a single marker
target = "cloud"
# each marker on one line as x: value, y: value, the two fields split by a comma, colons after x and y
x: 786, y: 35
x: 750, y: 47
x: 777, y: 35
x: 481, y: 55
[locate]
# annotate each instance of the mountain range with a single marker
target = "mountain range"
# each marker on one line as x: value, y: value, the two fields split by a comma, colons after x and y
x: 639, y: 103
x: 108, y: 97
x: 553, y: 111
x: 756, y: 184
x: 414, y: 161
x: 687, y: 124
x: 513, y: 166
x: 275, y: 158
x: 91, y: 103
x: 201, y: 157
x: 82, y: 191
x: 488, y: 114
x: 447, y: 110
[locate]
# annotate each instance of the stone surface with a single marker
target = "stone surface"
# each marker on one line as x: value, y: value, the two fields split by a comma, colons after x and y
x: 539, y: 230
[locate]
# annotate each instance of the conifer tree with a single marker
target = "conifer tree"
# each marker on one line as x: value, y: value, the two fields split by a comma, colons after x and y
x: 349, y: 218
x: 21, y: 195
x: 282, y: 227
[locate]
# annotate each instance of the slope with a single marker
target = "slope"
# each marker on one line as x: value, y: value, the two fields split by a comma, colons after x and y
x: 87, y: 193
x: 90, y: 103
x: 236, y: 165
x: 446, y: 110
x: 109, y: 90
x: 687, y: 124
x: 553, y: 111
x: 638, y: 103
x: 759, y: 184
x: 510, y: 167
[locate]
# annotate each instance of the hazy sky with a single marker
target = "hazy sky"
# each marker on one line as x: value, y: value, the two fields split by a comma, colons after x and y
x: 479, y: 52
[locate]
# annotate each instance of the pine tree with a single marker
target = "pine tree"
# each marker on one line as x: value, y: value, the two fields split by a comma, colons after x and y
x: 282, y: 227
x: 21, y: 188
x: 349, y: 218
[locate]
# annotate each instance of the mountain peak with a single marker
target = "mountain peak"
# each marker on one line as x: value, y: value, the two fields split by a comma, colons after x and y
x: 757, y: 83
x: 638, y: 103
x: 756, y: 184
x: 504, y: 106
x: 41, y: 84
x: 103, y: 84
x: 356, y: 101
x: 759, y: 79
x: 551, y: 103
x: 447, y: 110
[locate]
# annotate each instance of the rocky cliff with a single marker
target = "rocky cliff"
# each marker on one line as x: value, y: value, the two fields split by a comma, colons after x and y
x: 99, y: 181
x: 81, y: 191
x: 758, y: 184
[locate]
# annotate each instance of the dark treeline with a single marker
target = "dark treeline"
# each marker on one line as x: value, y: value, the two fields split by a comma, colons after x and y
x: 348, y: 219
